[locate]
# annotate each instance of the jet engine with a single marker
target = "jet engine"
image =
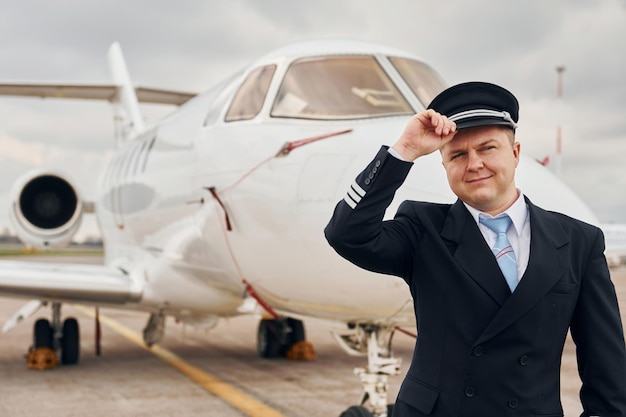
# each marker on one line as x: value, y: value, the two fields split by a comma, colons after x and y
x: 46, y: 209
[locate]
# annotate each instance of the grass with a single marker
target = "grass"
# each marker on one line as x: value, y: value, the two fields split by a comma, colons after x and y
x: 16, y: 250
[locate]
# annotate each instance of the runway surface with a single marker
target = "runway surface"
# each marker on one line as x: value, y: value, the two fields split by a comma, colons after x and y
x: 128, y: 380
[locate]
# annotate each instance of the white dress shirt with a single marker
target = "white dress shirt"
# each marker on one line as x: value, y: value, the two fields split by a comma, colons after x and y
x: 518, y: 235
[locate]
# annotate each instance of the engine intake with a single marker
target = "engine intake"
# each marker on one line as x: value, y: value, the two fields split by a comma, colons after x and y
x: 47, y: 210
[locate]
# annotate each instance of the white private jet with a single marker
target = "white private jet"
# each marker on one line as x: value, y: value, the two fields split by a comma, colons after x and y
x: 219, y: 209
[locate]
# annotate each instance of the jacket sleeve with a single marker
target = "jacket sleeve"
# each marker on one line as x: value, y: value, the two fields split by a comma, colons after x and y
x: 597, y: 331
x: 357, y: 230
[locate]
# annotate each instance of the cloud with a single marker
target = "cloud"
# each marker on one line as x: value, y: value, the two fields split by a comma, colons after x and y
x: 192, y: 45
x: 19, y: 157
x: 82, y: 167
x: 31, y: 154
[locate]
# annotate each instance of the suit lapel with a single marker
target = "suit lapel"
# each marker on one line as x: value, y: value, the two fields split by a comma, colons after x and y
x: 472, y: 253
x: 545, y: 268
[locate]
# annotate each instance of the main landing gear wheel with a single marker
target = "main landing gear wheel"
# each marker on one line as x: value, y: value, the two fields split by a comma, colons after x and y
x: 268, y: 338
x: 276, y: 337
x: 42, y: 355
x: 58, y: 337
x: 42, y: 334
x: 295, y: 334
x: 70, y: 342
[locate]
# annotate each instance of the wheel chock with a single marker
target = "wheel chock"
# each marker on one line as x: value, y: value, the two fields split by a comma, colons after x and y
x: 302, y: 351
x: 42, y: 358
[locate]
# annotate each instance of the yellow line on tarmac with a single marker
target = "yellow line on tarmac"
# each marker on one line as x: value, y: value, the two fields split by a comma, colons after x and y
x: 212, y: 384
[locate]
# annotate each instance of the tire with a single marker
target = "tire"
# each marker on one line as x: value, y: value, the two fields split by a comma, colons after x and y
x: 70, y: 342
x: 357, y: 411
x: 268, y: 338
x: 295, y: 335
x: 297, y: 331
x: 42, y: 334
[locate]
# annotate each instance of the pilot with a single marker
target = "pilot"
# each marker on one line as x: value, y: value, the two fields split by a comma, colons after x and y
x: 497, y: 282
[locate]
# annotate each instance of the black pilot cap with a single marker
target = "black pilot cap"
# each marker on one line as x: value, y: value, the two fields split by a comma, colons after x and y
x: 477, y: 104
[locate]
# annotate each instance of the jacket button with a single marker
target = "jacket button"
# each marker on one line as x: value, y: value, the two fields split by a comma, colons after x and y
x: 478, y: 351
x: 513, y: 402
x: 367, y: 181
x: 523, y: 360
x: 469, y: 392
x: 371, y: 175
x: 377, y: 163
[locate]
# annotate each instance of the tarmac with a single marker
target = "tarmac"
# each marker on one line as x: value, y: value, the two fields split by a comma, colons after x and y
x: 130, y: 380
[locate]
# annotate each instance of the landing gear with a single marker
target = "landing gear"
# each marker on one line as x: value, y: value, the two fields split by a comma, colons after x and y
x: 356, y: 411
x: 276, y: 336
x: 58, y: 337
x: 269, y: 338
x: 155, y: 329
x: 42, y: 334
x: 375, y: 342
x: 70, y: 342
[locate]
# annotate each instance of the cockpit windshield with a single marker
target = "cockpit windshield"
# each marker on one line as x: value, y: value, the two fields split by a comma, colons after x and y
x: 332, y: 88
x: 422, y: 79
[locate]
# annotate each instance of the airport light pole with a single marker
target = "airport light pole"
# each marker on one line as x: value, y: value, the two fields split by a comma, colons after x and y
x: 559, y: 139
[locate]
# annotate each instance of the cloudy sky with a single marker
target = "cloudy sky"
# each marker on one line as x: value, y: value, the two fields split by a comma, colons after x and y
x: 191, y: 45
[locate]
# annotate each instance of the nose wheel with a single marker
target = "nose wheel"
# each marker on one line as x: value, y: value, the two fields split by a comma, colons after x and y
x: 360, y: 411
x: 375, y: 342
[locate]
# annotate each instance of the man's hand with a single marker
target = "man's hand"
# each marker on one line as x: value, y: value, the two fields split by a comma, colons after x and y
x: 425, y: 133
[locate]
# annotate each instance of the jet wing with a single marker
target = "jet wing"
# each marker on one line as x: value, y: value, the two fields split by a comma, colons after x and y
x: 68, y: 282
x: 92, y: 92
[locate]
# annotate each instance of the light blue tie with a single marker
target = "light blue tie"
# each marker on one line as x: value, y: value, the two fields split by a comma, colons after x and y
x: 502, y: 249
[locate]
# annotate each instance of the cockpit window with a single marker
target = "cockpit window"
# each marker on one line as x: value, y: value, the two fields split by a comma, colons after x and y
x: 248, y: 101
x: 422, y: 79
x: 333, y: 88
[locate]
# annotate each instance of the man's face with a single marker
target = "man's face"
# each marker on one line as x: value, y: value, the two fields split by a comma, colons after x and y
x: 480, y: 163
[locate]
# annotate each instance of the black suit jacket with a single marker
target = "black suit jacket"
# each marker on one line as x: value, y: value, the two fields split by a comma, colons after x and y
x: 481, y: 350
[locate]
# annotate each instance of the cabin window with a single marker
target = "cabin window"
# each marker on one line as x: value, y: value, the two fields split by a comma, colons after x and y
x: 222, y: 93
x: 331, y: 88
x: 250, y: 97
x: 422, y: 79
